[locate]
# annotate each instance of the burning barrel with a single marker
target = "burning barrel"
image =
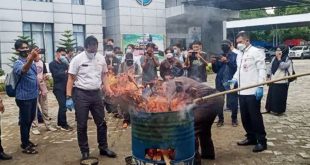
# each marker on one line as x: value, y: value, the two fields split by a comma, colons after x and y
x: 160, y: 136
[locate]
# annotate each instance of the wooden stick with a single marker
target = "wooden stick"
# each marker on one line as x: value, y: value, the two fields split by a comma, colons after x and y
x: 202, y: 59
x: 248, y: 87
x: 166, y: 159
x: 133, y: 81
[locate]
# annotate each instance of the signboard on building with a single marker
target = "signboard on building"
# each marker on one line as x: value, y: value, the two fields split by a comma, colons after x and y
x: 140, y: 40
x: 144, y: 2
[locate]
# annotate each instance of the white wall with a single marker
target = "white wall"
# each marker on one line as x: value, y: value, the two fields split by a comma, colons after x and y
x: 61, y: 13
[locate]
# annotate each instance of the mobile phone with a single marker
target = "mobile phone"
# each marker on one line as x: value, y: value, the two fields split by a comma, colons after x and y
x: 42, y: 51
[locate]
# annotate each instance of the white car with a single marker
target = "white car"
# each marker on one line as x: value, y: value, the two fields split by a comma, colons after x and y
x: 299, y: 52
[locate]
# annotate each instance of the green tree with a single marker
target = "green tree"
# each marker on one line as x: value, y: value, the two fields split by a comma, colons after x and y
x: 68, y: 41
x: 283, y: 34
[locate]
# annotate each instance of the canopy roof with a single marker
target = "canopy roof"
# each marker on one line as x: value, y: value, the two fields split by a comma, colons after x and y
x: 246, y: 4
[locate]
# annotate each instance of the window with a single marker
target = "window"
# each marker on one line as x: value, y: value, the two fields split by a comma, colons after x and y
x: 42, y: 35
x: 78, y: 2
x: 42, y: 0
x: 102, y: 4
x: 79, y: 35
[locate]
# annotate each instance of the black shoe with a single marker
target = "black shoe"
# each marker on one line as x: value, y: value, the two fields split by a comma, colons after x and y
x: 259, y: 147
x: 108, y: 153
x: 209, y: 157
x: 197, y: 158
x: 4, y: 156
x: 66, y: 128
x: 85, y: 155
x: 246, y: 142
x: 234, y: 123
x: 220, y: 123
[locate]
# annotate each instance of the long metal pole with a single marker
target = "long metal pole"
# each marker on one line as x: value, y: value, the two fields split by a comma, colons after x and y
x: 248, y: 87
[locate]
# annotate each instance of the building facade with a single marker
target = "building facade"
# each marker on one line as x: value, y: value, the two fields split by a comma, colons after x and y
x: 164, y: 21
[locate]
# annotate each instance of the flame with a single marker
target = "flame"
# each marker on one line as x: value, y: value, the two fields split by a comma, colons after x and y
x: 156, y: 100
x: 160, y: 154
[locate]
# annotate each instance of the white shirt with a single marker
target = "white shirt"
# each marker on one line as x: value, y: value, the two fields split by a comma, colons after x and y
x: 251, y: 68
x: 88, y: 72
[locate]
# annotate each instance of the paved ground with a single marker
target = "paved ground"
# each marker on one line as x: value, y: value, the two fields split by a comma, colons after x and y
x: 289, y: 135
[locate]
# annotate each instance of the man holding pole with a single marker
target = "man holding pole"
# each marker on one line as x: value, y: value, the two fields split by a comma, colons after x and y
x: 251, y: 70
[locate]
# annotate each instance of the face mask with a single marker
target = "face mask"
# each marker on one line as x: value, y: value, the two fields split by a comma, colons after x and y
x: 128, y: 50
x: 175, y: 51
x: 129, y: 62
x: 23, y: 53
x: 241, y: 47
x: 64, y: 60
x: 109, y: 53
x: 90, y: 55
x: 225, y: 48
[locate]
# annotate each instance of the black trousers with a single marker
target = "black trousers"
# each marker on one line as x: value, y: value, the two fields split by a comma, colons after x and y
x: 85, y: 101
x: 62, y: 110
x: 252, y: 119
x: 27, y: 112
x: 1, y: 148
x: 203, y: 136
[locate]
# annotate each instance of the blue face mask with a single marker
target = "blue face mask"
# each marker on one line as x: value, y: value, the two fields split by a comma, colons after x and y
x: 64, y: 60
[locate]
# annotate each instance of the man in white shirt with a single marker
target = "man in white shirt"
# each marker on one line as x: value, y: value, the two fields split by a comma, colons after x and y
x: 87, y: 74
x: 251, y: 69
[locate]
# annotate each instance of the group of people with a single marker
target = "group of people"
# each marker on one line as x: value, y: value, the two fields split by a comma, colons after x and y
x: 80, y: 83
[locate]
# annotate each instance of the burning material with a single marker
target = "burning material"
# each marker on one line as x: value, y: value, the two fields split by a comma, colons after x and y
x: 159, y: 98
x: 160, y: 155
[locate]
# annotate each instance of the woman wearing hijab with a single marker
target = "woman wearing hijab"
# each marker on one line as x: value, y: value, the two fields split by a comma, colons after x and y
x: 277, y: 93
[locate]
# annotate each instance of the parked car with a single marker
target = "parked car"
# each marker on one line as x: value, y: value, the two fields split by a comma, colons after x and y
x: 299, y: 52
x: 270, y: 53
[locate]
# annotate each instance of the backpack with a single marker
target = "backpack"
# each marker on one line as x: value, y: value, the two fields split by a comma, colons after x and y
x: 291, y: 73
x: 11, y: 84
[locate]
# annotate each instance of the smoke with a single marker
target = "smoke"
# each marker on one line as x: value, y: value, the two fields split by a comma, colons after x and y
x: 209, y: 19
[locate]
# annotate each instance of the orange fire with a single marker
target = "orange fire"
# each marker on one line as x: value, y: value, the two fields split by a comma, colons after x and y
x: 157, y: 101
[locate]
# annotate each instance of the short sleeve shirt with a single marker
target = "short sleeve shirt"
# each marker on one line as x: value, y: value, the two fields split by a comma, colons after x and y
x: 149, y: 73
x: 88, y: 72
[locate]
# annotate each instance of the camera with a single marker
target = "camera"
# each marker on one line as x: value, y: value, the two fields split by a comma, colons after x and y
x: 42, y: 51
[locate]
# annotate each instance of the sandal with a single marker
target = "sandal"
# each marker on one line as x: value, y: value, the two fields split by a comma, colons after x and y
x: 30, y: 150
x: 32, y: 144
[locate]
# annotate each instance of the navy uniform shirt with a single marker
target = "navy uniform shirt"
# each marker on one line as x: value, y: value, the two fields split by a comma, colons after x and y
x: 59, y: 73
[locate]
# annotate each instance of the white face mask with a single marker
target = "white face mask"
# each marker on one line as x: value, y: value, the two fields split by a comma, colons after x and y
x: 64, y: 60
x: 109, y: 53
x: 175, y: 51
x: 90, y: 55
x: 129, y: 51
x: 241, y: 47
